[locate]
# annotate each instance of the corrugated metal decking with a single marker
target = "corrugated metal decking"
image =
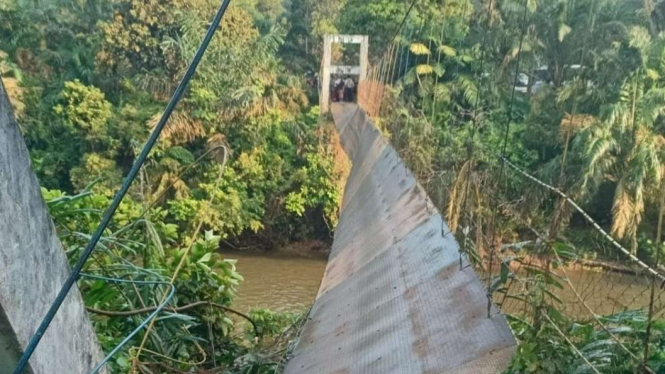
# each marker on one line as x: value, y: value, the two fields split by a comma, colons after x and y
x: 393, y: 299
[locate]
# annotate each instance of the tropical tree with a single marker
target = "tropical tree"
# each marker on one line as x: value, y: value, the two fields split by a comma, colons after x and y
x: 626, y: 146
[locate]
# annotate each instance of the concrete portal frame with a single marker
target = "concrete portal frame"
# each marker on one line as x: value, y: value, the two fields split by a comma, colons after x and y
x: 329, y: 69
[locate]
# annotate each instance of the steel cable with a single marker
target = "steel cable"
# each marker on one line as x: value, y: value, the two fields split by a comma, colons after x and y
x: 503, y: 152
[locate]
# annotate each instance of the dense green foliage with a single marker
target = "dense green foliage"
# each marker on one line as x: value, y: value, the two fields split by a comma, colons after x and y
x: 244, y: 157
x: 95, y: 75
x: 592, y: 127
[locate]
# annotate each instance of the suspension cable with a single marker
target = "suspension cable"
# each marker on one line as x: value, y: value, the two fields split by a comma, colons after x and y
x: 566, y: 278
x: 474, y: 118
x: 503, y: 152
x: 586, y: 216
x: 401, y: 24
x: 108, y: 215
x: 379, y: 67
x: 503, y: 158
x: 483, y: 47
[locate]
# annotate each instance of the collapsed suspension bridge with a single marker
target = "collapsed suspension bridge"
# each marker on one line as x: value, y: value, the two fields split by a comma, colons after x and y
x: 399, y: 294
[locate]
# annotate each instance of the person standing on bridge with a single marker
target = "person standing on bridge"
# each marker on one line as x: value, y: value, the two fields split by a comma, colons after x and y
x: 336, y: 90
x: 349, y: 87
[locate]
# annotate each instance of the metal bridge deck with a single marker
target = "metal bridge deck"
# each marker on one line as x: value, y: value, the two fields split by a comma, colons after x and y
x: 393, y: 298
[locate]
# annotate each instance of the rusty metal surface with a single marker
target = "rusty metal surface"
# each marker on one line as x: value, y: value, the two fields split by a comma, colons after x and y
x: 393, y: 298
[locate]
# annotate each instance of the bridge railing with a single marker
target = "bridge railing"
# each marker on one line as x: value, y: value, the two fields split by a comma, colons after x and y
x: 370, y: 96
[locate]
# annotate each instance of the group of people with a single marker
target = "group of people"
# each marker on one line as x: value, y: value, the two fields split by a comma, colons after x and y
x: 343, y: 90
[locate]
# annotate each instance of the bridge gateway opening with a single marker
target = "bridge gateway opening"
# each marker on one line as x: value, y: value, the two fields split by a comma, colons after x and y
x: 328, y: 70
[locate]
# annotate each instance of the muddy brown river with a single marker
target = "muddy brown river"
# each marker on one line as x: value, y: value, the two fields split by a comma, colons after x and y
x: 277, y: 280
x: 604, y: 293
x: 289, y: 282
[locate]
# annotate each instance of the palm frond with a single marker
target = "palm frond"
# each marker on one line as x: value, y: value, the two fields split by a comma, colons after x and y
x: 639, y: 38
x: 574, y: 123
x: 623, y: 211
x: 468, y: 88
x: 216, y: 144
x: 564, y: 30
x: 597, y: 143
x: 180, y: 154
x: 419, y: 49
x: 654, y: 103
x: 447, y: 50
x: 424, y: 69
x: 181, y: 127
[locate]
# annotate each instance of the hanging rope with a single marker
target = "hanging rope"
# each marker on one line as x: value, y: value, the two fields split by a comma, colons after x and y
x: 474, y: 117
x: 380, y: 73
x: 401, y: 24
x: 483, y: 54
x: 436, y: 80
x: 503, y: 152
x: 659, y: 243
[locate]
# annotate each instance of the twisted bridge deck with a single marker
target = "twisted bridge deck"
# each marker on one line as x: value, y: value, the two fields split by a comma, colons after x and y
x: 393, y: 298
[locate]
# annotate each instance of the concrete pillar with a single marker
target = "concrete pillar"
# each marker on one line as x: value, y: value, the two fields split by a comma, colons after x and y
x: 327, y: 69
x: 364, y: 58
x: 324, y: 97
x: 33, y: 268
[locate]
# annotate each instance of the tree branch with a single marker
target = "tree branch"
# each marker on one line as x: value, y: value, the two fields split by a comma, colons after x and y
x: 129, y: 313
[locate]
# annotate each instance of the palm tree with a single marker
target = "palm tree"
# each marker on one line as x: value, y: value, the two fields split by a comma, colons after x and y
x: 625, y: 146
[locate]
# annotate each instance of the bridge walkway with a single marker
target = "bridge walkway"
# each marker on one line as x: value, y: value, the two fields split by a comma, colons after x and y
x: 394, y: 298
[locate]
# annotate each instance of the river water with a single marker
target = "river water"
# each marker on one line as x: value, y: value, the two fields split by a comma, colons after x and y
x: 605, y: 292
x: 602, y: 292
x: 289, y: 282
x: 277, y: 280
